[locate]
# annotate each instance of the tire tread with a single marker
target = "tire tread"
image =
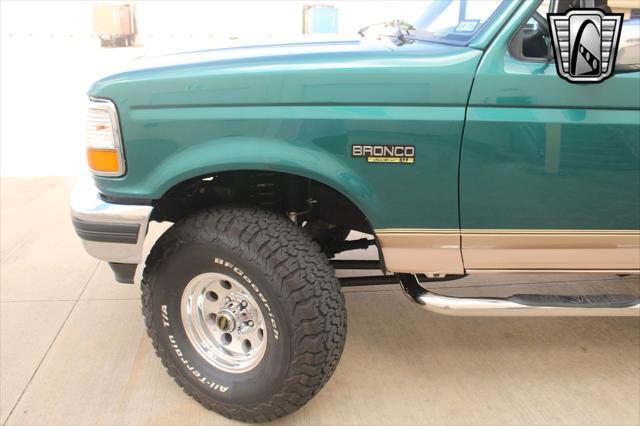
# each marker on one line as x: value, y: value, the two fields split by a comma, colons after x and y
x: 310, y: 295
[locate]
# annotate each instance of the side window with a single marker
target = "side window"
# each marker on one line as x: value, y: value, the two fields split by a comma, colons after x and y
x: 629, y: 48
x: 533, y: 41
x: 628, y: 56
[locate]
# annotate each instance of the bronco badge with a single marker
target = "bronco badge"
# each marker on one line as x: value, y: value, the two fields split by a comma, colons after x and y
x: 585, y: 42
x: 405, y: 154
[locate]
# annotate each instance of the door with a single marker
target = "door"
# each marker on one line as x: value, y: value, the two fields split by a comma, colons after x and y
x: 550, y: 170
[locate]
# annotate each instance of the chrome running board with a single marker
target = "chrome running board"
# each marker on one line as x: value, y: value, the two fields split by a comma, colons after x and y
x: 522, y: 305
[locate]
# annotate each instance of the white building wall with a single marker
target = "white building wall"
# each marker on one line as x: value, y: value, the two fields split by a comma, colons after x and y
x: 196, y: 23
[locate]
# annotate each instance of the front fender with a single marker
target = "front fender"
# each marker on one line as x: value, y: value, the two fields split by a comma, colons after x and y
x: 265, y: 154
x: 167, y: 146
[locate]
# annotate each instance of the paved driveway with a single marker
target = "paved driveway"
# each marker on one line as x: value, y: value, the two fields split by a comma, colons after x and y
x: 74, y: 350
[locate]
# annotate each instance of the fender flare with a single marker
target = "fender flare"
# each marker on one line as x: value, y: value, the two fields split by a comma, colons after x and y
x: 263, y: 154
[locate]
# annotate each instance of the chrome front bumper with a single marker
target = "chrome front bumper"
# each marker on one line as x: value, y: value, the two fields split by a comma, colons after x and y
x: 111, y: 232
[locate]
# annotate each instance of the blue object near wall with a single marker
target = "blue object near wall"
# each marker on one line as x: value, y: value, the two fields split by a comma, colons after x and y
x: 320, y: 20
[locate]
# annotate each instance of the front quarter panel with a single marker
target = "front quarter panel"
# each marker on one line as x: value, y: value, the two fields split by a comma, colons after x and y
x: 302, y: 116
x: 314, y: 142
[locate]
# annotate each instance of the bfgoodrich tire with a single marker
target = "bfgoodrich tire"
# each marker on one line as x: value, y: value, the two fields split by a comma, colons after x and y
x: 244, y: 311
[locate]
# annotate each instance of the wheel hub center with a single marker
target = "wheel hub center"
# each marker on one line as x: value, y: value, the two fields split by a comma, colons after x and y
x: 226, y: 321
x: 235, y: 316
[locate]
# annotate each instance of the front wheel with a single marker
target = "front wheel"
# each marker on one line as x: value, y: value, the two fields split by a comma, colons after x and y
x: 244, y: 311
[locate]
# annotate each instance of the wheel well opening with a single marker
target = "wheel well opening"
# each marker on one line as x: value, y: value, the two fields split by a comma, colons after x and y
x: 305, y: 201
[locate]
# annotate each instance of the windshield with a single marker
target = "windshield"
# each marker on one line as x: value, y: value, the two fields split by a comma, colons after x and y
x: 454, y: 21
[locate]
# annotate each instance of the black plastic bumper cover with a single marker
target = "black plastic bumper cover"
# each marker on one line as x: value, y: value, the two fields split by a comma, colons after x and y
x: 121, y: 233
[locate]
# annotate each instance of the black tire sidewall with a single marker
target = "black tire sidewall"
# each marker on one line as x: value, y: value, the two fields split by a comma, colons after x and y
x: 247, y: 388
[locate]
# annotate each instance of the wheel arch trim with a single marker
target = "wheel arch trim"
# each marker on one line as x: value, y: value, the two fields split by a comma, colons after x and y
x: 252, y: 154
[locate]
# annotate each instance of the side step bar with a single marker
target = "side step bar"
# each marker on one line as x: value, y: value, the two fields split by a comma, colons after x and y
x: 521, y: 305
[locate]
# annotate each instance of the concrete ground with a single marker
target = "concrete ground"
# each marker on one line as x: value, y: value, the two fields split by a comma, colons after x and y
x: 74, y: 349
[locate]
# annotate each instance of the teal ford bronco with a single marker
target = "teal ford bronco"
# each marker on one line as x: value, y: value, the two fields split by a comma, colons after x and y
x: 452, y: 141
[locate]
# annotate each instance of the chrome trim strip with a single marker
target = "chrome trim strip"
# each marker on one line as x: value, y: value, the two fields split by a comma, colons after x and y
x: 87, y: 205
x: 502, y: 307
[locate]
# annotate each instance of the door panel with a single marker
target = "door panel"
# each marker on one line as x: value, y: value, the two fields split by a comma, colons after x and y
x: 550, y: 168
x: 556, y: 159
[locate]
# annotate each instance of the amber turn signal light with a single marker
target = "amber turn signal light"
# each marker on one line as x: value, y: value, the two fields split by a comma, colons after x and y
x: 103, y: 160
x: 104, y: 144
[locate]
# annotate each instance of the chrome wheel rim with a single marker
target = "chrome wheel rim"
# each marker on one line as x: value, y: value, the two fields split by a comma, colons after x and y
x: 224, y: 322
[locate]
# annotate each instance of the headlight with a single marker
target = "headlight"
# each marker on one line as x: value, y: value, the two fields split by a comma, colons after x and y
x: 104, y: 145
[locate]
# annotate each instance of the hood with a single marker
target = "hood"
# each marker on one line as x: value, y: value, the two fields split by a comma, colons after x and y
x: 248, y: 51
x: 363, y: 70
x: 245, y: 48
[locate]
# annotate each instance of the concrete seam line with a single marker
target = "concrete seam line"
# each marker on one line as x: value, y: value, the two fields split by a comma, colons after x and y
x: 64, y: 322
